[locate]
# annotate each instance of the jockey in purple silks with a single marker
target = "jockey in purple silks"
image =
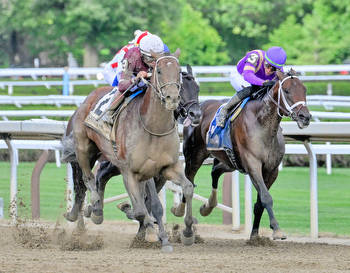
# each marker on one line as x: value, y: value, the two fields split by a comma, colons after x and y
x: 256, y: 68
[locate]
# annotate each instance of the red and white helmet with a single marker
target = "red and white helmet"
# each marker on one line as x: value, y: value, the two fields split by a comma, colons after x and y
x: 138, y: 34
x: 151, y: 42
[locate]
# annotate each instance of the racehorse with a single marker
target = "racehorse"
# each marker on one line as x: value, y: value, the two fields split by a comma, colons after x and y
x: 146, y: 145
x: 258, y: 143
x: 188, y: 112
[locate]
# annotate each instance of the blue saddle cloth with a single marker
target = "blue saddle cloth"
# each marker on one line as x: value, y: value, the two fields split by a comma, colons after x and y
x: 219, y: 138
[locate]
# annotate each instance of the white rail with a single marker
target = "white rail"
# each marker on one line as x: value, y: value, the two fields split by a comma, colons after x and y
x: 326, y: 131
x: 88, y: 73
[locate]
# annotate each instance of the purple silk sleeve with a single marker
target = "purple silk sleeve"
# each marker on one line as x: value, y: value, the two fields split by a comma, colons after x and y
x: 250, y: 77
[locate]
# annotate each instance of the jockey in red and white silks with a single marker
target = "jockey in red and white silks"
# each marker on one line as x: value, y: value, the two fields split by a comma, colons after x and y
x: 113, y: 69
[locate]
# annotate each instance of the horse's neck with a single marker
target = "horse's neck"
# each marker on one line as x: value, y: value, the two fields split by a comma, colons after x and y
x: 154, y: 115
x: 268, y: 113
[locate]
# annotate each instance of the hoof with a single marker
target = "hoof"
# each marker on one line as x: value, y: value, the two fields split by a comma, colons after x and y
x: 279, y: 235
x: 167, y: 248
x: 88, y: 211
x: 177, y: 212
x: 151, y: 235
x: 70, y: 217
x: 187, y: 241
x: 124, y: 206
x: 97, y: 219
x: 205, y: 210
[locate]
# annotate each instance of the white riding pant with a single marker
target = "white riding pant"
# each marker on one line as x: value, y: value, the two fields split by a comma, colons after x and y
x: 237, y: 80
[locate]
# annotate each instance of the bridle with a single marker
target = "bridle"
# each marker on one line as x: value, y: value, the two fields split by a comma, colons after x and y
x: 158, y: 86
x: 158, y: 90
x: 288, y: 109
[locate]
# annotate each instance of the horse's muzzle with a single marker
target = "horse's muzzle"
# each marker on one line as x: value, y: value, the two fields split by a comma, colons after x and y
x: 195, y: 115
x: 171, y: 102
x: 303, y: 118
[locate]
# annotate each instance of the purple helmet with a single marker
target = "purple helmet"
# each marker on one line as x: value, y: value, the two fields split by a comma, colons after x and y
x: 276, y: 56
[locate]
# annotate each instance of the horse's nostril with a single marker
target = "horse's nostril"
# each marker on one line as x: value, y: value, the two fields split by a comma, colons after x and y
x: 191, y: 114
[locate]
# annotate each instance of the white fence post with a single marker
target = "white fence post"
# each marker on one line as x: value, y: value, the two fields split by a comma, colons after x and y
x: 313, y: 190
x: 235, y: 201
x: 248, y: 205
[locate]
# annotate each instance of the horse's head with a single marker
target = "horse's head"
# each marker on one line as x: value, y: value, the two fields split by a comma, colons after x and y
x: 188, y: 109
x: 292, y: 98
x: 166, y: 79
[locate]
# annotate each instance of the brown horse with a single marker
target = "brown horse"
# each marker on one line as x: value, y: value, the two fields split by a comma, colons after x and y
x: 257, y: 141
x: 146, y: 145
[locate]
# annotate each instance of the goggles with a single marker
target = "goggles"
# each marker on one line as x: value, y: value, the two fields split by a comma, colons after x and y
x: 270, y: 67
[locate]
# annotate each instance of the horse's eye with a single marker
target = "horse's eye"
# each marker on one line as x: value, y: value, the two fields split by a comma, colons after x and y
x: 158, y: 71
x: 286, y: 91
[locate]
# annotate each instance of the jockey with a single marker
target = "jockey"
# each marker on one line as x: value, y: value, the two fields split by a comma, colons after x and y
x: 256, y: 68
x: 136, y: 63
x: 113, y: 69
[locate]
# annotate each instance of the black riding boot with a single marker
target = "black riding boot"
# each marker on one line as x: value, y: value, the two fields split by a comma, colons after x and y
x: 239, y: 96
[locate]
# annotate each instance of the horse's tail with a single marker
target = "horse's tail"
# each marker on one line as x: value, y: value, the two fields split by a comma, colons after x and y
x: 68, y: 148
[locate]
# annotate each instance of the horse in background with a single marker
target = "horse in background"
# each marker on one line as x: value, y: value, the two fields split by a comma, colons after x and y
x: 146, y: 145
x: 257, y: 140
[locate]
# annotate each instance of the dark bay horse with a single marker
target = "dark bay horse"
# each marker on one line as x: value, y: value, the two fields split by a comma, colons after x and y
x: 147, y: 145
x: 257, y: 142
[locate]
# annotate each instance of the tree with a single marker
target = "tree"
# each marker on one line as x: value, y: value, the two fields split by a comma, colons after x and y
x: 322, y: 37
x: 199, y: 42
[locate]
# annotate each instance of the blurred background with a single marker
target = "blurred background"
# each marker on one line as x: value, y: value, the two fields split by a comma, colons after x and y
x: 87, y: 33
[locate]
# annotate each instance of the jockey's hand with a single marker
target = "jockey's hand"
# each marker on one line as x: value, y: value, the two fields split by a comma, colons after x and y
x: 269, y: 83
x: 141, y: 74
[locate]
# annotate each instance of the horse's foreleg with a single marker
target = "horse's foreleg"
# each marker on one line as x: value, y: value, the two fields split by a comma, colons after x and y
x: 136, y: 191
x: 177, y: 175
x: 157, y: 211
x: 255, y: 172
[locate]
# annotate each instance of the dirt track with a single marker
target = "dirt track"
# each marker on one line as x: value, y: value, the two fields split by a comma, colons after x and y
x: 44, y: 249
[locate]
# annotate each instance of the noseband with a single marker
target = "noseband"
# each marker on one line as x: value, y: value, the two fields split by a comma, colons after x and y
x: 287, y: 108
x: 158, y: 86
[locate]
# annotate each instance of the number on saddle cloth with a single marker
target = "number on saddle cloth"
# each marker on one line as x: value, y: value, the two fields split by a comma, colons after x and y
x: 104, y: 102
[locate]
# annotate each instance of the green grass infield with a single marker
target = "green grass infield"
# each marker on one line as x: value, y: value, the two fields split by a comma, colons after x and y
x: 291, y: 195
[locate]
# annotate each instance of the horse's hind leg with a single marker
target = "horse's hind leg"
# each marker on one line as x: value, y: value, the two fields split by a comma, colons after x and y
x: 157, y: 211
x: 136, y: 191
x: 104, y: 173
x: 193, y: 159
x: 217, y: 170
x: 87, y: 157
x: 176, y: 174
x: 79, y: 191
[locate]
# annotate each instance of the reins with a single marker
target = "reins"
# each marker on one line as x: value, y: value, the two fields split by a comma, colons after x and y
x: 287, y: 108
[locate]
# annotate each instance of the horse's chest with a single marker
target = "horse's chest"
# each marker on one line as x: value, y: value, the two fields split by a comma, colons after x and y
x: 150, y: 159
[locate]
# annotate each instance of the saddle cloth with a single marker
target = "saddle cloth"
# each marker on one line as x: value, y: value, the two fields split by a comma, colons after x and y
x: 219, y: 138
x: 95, y: 120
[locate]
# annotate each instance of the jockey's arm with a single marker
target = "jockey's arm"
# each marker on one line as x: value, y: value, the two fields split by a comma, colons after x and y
x: 249, y: 75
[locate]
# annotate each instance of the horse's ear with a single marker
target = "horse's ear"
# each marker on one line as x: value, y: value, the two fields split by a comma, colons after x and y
x: 189, y: 69
x: 292, y: 72
x: 177, y: 53
x: 279, y: 74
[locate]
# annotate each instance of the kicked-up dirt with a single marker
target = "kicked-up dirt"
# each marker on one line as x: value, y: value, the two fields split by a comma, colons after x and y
x: 111, y: 247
